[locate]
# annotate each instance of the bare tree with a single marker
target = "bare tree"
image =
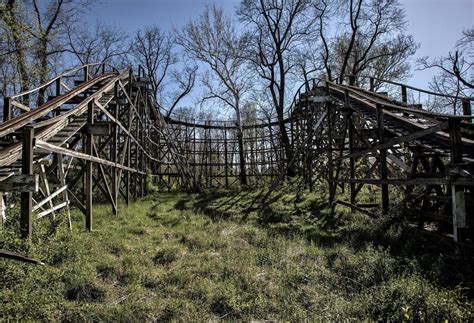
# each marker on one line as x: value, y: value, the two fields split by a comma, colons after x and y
x: 17, y: 41
x: 455, y: 73
x: 213, y: 40
x: 47, y: 27
x: 153, y: 49
x: 279, y: 27
x: 372, y: 38
x: 101, y: 44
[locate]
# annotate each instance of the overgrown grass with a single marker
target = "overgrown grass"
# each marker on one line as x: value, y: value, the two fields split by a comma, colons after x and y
x: 189, y: 257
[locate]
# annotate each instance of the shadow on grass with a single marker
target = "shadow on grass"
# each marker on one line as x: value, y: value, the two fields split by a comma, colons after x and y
x: 441, y: 260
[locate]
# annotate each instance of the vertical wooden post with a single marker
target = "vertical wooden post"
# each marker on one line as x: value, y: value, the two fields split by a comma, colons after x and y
x: 127, y: 178
x: 195, y: 153
x: 88, y: 179
x: 86, y: 73
x: 7, y: 109
x: 371, y: 84
x: 466, y: 108
x: 329, y: 152
x: 383, y: 159
x: 58, y: 93
x: 404, y: 94
x: 457, y: 192
x: 226, y: 158
x: 352, y: 79
x: 27, y: 169
x: 351, y: 148
x: 113, y: 150
x: 58, y: 86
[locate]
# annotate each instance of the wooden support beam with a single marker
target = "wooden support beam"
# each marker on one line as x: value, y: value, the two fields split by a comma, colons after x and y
x: 88, y: 173
x: 27, y: 169
x: 7, y: 109
x: 54, y: 208
x: 351, y: 160
x: 49, y: 198
x: 114, y: 149
x: 80, y: 156
x: 98, y: 129
x: 457, y: 191
x: 404, y: 94
x: 62, y: 180
x: 19, y: 257
x: 383, y: 158
x: 20, y: 183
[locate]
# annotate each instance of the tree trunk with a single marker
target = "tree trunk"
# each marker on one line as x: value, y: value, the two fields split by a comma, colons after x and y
x: 43, y: 68
x: 240, y: 140
x: 14, y: 26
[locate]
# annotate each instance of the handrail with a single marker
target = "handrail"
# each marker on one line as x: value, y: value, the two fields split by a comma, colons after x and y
x: 470, y: 98
x: 73, y: 70
x: 404, y: 109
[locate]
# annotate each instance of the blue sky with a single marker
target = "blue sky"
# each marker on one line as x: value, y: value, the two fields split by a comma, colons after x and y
x: 435, y: 24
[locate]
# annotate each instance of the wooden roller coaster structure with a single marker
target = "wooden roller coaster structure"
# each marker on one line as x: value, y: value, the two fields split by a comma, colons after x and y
x: 101, y: 136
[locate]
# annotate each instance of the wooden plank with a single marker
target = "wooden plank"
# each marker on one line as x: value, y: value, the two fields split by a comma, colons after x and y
x: 98, y: 129
x: 383, y: 157
x: 20, y: 183
x: 75, y: 201
x: 88, y: 172
x: 397, y: 181
x: 26, y: 204
x: 19, y: 257
x: 49, y: 198
x: 399, y: 140
x: 62, y: 179
x: 55, y: 208
x: 19, y: 105
x: 68, y: 152
x: 3, y: 208
x: 45, y: 183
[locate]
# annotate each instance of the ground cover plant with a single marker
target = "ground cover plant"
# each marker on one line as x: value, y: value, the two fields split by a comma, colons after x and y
x: 201, y: 257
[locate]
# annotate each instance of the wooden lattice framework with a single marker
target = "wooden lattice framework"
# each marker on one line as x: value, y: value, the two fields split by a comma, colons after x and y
x: 100, y: 136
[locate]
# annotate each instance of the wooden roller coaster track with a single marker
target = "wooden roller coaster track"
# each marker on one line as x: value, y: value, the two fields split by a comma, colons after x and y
x: 100, y: 136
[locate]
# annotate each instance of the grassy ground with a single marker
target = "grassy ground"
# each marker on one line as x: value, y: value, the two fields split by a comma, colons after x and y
x: 176, y: 256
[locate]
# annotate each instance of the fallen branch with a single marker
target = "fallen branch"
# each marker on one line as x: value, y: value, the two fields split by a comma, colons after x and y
x: 19, y: 257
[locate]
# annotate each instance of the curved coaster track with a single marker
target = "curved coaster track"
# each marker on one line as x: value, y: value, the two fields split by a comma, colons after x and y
x: 100, y: 135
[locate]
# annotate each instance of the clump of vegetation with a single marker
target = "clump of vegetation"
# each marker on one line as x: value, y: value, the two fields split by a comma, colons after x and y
x: 175, y: 256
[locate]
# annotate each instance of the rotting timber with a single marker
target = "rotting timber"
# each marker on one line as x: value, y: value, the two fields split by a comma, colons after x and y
x: 101, y: 131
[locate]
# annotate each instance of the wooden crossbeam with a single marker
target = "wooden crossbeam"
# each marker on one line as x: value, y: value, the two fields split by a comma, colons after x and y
x: 60, y: 150
x: 20, y: 183
x: 49, y: 198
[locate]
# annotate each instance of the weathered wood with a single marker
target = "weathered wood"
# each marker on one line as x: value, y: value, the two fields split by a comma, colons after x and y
x: 19, y: 105
x: 98, y: 129
x: 79, y: 155
x: 404, y: 94
x: 19, y: 257
x: 51, y: 210
x: 27, y: 169
x: 3, y: 208
x: 7, y: 109
x: 113, y: 150
x: 49, y: 198
x: 20, y: 183
x: 45, y: 184
x: 383, y: 158
x: 89, y: 169
x: 62, y: 180
x: 459, y: 211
